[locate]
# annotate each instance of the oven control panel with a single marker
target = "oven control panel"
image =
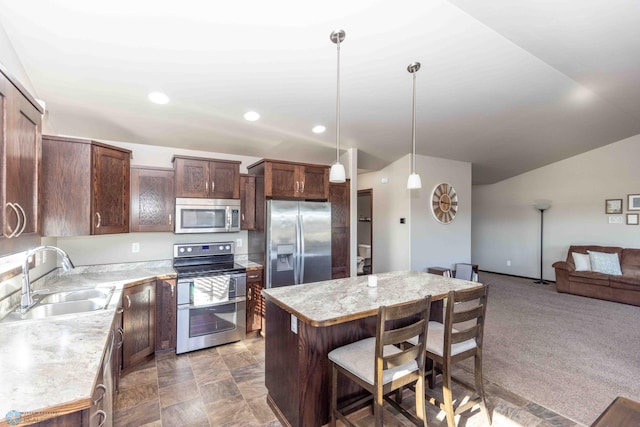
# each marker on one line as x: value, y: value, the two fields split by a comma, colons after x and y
x: 202, y: 249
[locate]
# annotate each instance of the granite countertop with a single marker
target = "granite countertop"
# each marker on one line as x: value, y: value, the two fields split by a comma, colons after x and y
x: 244, y: 261
x: 50, y: 365
x: 341, y: 300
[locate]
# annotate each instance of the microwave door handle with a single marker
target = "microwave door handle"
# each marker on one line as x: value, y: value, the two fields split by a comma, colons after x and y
x: 228, y: 215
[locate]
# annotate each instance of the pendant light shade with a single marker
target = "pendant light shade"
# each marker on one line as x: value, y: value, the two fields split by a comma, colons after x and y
x: 414, y: 182
x: 337, y: 172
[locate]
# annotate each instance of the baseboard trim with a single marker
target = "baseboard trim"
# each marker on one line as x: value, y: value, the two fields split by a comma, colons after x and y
x: 514, y: 275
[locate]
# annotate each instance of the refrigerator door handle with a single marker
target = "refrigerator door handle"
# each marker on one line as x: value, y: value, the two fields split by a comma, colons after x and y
x: 296, y: 254
x: 302, y: 254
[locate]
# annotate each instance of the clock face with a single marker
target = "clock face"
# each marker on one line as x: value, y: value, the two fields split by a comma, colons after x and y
x: 444, y: 203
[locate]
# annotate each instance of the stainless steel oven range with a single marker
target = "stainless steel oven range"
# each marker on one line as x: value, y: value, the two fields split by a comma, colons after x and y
x: 211, y: 295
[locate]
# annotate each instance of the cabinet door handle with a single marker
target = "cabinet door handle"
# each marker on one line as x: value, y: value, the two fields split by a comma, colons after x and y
x: 253, y: 276
x: 104, y: 391
x: 24, y: 219
x: 213, y: 186
x: 302, y: 186
x: 242, y: 217
x: 297, y: 186
x: 128, y: 301
x: 249, y: 295
x: 99, y: 218
x: 103, y: 415
x: 12, y: 232
x: 173, y: 290
x: 120, y: 310
x: 206, y: 186
x: 170, y: 219
x: 121, y: 332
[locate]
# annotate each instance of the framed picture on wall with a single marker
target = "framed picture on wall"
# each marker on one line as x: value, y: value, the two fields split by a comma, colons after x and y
x: 633, y: 202
x: 632, y: 219
x: 613, y: 206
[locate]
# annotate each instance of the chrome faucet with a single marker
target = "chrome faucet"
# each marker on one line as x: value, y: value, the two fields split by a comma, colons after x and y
x: 27, y: 295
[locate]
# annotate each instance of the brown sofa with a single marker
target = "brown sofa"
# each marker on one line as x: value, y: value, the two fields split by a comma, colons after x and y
x: 624, y: 288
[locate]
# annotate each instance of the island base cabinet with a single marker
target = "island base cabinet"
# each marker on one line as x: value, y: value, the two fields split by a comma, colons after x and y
x: 298, y: 371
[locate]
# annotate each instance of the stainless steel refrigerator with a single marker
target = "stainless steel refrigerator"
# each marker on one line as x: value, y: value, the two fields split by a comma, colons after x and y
x: 298, y: 240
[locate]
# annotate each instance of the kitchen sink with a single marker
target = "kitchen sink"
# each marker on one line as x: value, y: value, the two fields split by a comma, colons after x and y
x: 56, y: 309
x: 67, y: 302
x: 78, y: 295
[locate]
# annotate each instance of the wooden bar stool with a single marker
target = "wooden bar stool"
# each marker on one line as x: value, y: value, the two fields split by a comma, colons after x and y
x: 380, y: 367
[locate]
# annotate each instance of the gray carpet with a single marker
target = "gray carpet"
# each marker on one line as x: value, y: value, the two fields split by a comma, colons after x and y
x: 571, y: 354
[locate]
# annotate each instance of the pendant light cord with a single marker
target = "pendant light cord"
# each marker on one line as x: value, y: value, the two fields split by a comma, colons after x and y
x: 413, y: 127
x: 338, y: 105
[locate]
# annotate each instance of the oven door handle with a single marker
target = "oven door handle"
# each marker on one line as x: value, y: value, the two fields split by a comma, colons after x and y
x: 216, y: 304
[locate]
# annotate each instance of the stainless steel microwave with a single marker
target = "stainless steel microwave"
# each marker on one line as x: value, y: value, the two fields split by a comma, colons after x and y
x: 207, y: 215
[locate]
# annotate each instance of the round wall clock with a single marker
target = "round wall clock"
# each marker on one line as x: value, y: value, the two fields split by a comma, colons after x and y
x: 444, y: 203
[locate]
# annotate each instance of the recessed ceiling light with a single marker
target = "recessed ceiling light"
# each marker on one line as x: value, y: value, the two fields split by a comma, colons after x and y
x: 251, y: 116
x: 318, y: 129
x: 158, y: 98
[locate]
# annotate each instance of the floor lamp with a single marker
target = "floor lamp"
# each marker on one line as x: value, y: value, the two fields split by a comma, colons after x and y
x: 542, y: 206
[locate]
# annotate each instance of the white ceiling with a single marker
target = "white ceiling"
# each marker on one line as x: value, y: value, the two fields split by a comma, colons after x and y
x: 507, y: 85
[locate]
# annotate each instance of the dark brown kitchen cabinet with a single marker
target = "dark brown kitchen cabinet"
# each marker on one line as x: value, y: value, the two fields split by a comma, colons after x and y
x: 152, y: 199
x: 207, y: 178
x: 340, y: 234
x: 138, y: 323
x: 166, y: 314
x: 247, y: 202
x: 85, y: 187
x: 20, y: 150
x: 255, y: 301
x: 287, y: 180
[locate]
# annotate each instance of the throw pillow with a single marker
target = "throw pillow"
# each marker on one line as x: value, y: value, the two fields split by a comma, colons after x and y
x: 581, y: 261
x: 605, y: 263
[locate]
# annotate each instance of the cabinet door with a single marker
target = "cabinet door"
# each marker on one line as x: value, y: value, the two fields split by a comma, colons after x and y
x: 340, y: 236
x: 314, y: 182
x: 110, y: 191
x: 281, y: 180
x: 255, y: 303
x: 152, y: 199
x: 247, y: 202
x: 225, y: 180
x: 138, y: 319
x: 166, y: 319
x: 21, y: 144
x: 192, y: 178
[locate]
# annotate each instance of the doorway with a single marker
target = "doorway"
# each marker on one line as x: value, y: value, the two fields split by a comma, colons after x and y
x: 365, y: 232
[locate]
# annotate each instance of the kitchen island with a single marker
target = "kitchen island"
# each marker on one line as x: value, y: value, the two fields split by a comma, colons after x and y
x: 305, y: 322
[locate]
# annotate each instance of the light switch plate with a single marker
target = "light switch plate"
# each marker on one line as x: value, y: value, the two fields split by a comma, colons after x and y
x: 294, y: 324
x: 616, y: 219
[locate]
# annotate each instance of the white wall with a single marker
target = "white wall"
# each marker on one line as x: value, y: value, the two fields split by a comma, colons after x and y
x: 11, y: 62
x: 507, y: 227
x: 421, y: 242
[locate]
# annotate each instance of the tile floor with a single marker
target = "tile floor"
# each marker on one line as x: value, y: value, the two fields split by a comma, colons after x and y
x: 224, y: 387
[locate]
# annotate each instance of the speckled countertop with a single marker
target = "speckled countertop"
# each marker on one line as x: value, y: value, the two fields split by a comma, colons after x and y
x: 52, y: 363
x: 243, y: 260
x: 336, y: 301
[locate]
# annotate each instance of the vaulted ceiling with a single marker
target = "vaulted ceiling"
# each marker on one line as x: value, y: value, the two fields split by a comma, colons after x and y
x: 509, y: 86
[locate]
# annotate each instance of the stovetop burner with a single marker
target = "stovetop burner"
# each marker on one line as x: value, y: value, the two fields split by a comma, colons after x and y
x: 200, y: 259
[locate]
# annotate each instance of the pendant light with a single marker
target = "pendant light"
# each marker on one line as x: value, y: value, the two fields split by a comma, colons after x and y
x: 337, y: 173
x: 414, y: 182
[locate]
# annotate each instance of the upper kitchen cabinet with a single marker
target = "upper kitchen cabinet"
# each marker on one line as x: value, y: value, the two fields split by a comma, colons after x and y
x: 85, y: 187
x: 247, y: 202
x: 287, y: 180
x: 152, y: 199
x: 20, y: 147
x: 207, y: 178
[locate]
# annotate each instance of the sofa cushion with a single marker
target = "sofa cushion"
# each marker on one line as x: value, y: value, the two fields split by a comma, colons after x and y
x: 625, y: 282
x: 605, y: 263
x: 630, y: 263
x: 581, y: 261
x: 590, y: 277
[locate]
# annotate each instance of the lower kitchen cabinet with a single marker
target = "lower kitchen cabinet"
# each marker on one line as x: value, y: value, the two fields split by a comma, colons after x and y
x: 166, y: 314
x: 138, y: 323
x: 255, y: 301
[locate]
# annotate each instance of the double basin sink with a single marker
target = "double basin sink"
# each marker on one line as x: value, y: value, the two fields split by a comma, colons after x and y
x: 66, y: 302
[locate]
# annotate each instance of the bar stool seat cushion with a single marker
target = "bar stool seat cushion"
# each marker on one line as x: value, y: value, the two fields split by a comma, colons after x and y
x: 359, y: 359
